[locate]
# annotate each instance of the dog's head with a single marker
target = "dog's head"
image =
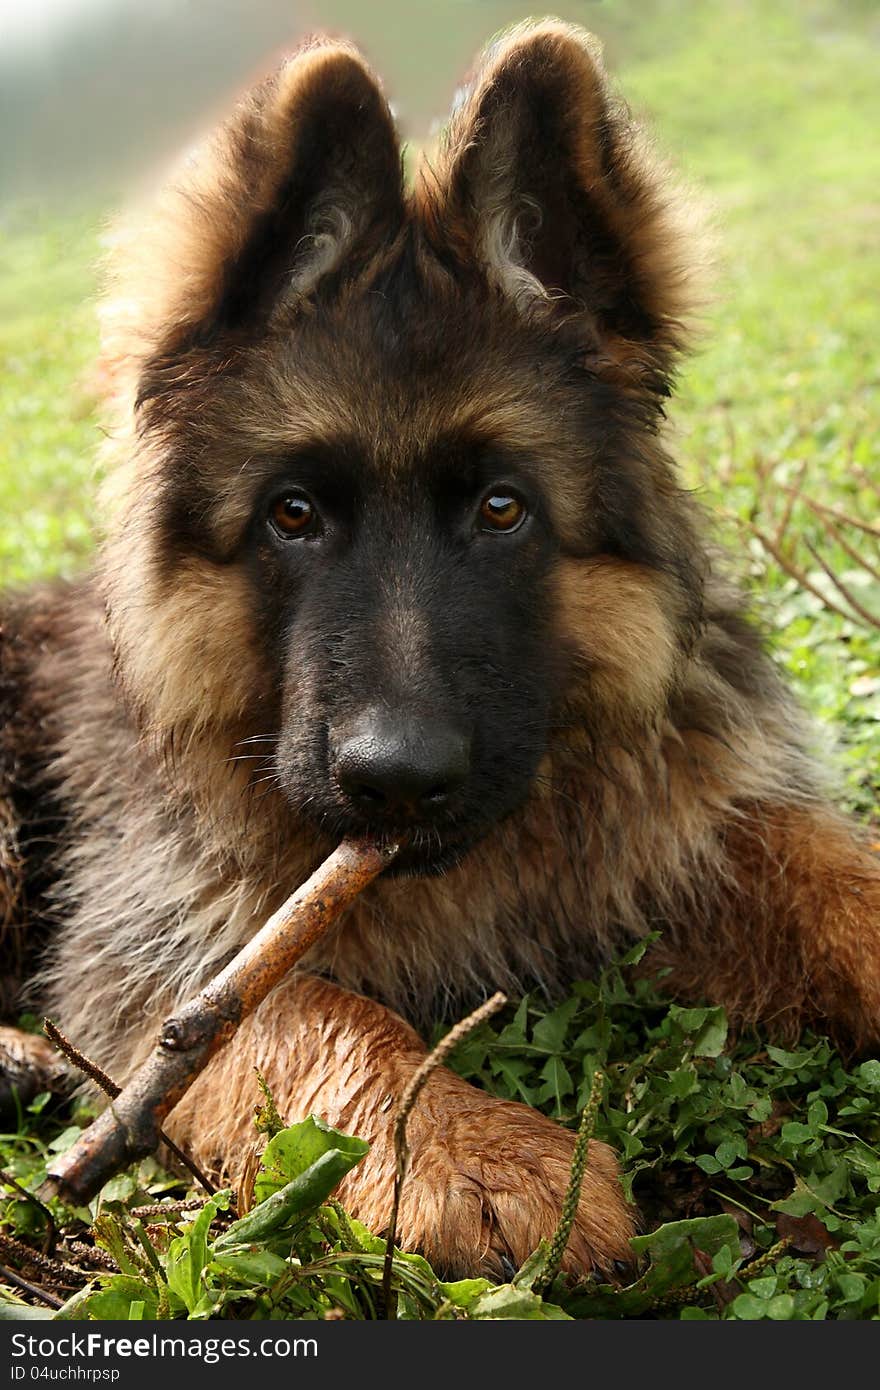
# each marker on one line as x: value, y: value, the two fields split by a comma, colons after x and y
x: 388, y: 497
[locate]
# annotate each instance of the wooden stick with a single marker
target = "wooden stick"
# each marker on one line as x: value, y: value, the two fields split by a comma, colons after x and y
x: 842, y: 588
x: 129, y: 1128
x: 850, y: 550
x: 110, y: 1088
x: 9, y: 1276
x: 836, y: 514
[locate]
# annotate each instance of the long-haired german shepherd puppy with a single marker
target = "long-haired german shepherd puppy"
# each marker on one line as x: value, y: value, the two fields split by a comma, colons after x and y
x: 393, y: 545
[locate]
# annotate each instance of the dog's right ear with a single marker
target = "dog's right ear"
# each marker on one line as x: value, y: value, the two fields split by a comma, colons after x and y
x: 545, y: 185
x: 303, y: 181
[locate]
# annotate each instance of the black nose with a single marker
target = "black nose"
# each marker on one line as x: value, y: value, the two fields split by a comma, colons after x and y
x: 388, y: 764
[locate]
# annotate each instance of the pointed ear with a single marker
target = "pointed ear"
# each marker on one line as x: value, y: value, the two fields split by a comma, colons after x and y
x: 303, y: 181
x: 546, y: 184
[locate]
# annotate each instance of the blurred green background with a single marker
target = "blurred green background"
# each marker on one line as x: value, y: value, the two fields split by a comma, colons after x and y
x: 771, y: 108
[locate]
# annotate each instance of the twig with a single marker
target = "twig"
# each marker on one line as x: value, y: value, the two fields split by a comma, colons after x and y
x: 786, y: 563
x: 837, y: 515
x: 9, y: 1276
x: 864, y: 613
x: 793, y: 494
x: 579, y: 1161
x: 837, y: 535
x: 112, y: 1089
x: 80, y: 1060
x: 130, y: 1127
x: 52, y: 1269
x: 763, y: 470
x: 420, y: 1076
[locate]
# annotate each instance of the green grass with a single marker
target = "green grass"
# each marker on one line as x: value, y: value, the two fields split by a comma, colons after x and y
x: 773, y: 109
x: 48, y: 434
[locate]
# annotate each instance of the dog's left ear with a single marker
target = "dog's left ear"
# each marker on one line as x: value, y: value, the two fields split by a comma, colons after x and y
x: 544, y: 183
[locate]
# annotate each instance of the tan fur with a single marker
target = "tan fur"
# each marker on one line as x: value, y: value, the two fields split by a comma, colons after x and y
x: 811, y: 897
x: 614, y: 615
x: 486, y: 1175
x: 195, y: 675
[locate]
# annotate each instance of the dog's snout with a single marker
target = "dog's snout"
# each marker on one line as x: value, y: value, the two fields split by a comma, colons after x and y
x: 404, y: 767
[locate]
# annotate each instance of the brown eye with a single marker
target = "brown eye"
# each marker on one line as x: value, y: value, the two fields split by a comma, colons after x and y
x: 293, y: 514
x: 501, y: 511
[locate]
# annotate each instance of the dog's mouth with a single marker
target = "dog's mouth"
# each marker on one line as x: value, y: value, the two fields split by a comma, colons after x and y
x: 425, y: 850
x: 426, y: 856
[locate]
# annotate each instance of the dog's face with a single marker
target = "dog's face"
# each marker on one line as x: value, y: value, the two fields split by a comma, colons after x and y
x: 402, y: 555
x: 408, y: 511
x: 402, y: 570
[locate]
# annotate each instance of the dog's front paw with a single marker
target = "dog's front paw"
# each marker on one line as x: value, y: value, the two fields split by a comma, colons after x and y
x: 487, y: 1182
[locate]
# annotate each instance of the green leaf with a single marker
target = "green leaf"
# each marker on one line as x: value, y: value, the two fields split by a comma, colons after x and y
x: 18, y: 1312
x: 761, y: 1109
x: 851, y: 1286
x: 781, y: 1307
x: 294, y: 1150
x: 729, y: 1150
x: 683, y: 1081
x: 533, y: 1268
x: 817, y: 1115
x: 791, y: 1061
x: 513, y: 1034
x: 550, y: 1031
x: 515, y: 1071
x: 707, y: 1028
x: 800, y: 1203
x: 188, y: 1255
x: 509, y: 1301
x: 670, y: 1252
x: 255, y: 1267
x: 795, y: 1133
x: 109, y: 1234
x: 112, y: 1301
x: 557, y: 1084
x: 287, y: 1205
x: 464, y: 1292
x: 748, y: 1308
x: 635, y: 953
x: 869, y: 1074
x: 711, y: 1038
x: 709, y: 1163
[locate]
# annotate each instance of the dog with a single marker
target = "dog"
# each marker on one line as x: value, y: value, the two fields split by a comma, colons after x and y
x: 393, y: 545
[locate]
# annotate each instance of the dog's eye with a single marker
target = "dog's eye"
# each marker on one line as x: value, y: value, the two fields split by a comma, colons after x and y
x: 501, y: 511
x: 293, y: 514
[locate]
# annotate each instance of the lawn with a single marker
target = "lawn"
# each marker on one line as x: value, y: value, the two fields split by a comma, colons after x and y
x: 772, y: 110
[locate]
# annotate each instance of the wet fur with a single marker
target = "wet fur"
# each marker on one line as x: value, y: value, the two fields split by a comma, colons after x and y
x: 155, y: 778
